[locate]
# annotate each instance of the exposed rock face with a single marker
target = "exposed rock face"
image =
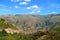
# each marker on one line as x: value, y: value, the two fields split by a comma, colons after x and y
x: 9, y: 30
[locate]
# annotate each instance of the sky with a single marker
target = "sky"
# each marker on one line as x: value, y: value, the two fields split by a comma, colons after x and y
x: 39, y: 7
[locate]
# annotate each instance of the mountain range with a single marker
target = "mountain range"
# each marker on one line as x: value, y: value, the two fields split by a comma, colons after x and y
x: 32, y: 23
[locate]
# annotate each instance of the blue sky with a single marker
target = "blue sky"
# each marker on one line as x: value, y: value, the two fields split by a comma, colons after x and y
x: 40, y: 7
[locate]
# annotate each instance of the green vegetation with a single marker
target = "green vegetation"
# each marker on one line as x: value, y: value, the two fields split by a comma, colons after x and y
x: 57, y: 29
x: 15, y: 36
x: 4, y: 24
x: 32, y: 24
x: 47, y: 35
x: 7, y: 36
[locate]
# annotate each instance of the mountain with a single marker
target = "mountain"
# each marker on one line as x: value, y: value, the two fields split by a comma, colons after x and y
x: 42, y: 27
x: 32, y: 23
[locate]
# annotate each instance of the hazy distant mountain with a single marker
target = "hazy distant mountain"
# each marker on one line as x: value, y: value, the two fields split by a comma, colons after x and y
x: 34, y: 22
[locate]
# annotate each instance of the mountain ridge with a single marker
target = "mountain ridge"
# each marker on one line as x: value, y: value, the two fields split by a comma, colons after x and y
x: 33, y: 22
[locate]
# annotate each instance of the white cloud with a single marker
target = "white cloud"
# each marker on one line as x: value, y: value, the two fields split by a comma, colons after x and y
x: 38, y: 11
x: 34, y: 6
x: 14, y: 7
x: 53, y: 12
x: 17, y: 7
x: 27, y: 0
x: 15, y: 0
x: 28, y: 7
x: 32, y: 12
x: 23, y: 3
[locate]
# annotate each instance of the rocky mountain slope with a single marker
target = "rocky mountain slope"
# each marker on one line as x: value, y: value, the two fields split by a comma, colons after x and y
x: 31, y: 23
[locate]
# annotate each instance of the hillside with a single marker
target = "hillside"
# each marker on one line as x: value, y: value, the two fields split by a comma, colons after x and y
x: 5, y: 25
x: 37, y: 27
x: 32, y: 23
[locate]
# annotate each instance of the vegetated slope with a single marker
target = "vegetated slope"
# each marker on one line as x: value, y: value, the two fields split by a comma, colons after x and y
x: 5, y: 25
x: 34, y: 22
x: 25, y: 22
